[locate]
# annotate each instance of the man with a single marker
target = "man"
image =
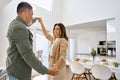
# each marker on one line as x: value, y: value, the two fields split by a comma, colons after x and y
x: 20, y: 56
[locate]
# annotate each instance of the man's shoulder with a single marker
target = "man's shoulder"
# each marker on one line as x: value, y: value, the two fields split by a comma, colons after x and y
x: 17, y: 30
x: 15, y: 24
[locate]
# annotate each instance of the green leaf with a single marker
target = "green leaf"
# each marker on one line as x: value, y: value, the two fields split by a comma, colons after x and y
x: 93, y: 52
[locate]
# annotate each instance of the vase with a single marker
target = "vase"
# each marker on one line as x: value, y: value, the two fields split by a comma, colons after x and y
x: 93, y: 59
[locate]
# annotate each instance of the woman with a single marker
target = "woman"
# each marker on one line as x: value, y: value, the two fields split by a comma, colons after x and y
x: 59, y: 44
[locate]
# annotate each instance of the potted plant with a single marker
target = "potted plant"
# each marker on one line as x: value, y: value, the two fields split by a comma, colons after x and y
x: 93, y: 53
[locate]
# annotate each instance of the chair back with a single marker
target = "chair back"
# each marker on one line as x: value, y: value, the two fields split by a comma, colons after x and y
x: 76, y: 67
x: 101, y: 72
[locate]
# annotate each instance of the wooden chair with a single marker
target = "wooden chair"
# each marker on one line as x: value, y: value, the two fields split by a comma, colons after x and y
x: 78, y: 70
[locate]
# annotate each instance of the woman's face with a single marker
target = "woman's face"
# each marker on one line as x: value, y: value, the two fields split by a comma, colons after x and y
x: 57, y: 31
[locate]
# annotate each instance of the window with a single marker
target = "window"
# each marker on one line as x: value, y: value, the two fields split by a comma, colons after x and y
x: 41, y: 50
x: 42, y: 46
x: 71, y: 53
x: 46, y: 4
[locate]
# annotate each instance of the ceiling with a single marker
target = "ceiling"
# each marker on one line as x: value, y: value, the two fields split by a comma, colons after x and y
x: 88, y: 26
x: 3, y: 3
x: 99, y: 25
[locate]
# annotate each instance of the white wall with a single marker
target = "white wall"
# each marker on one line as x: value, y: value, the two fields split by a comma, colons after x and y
x: 3, y: 3
x: 117, y: 26
x: 79, y: 11
x: 88, y: 38
x: 111, y: 30
x: 8, y: 13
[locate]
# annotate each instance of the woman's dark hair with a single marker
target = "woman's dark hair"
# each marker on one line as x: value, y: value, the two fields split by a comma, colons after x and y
x: 22, y: 6
x: 62, y: 29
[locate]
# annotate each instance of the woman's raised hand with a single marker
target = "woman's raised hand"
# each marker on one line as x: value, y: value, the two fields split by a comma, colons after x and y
x: 39, y: 19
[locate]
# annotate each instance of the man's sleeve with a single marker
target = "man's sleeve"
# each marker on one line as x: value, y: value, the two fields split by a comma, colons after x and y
x: 24, y: 47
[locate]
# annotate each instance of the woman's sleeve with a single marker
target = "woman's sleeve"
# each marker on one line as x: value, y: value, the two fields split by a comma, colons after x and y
x: 48, y: 36
x: 63, y: 48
